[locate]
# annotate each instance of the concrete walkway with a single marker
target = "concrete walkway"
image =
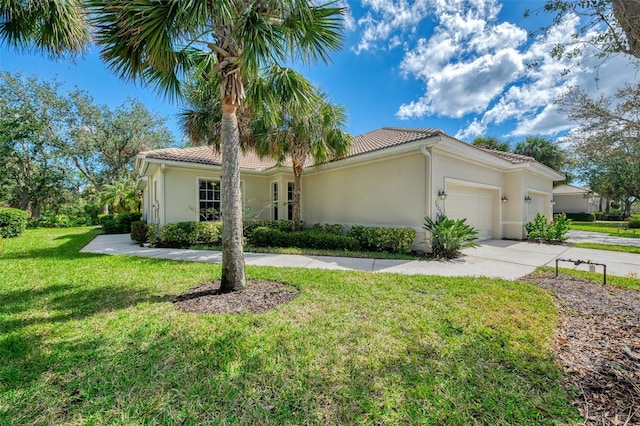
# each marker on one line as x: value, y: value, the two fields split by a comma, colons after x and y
x: 493, y: 258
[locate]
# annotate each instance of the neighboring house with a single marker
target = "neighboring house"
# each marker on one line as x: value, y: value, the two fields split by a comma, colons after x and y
x: 574, y: 199
x: 390, y: 177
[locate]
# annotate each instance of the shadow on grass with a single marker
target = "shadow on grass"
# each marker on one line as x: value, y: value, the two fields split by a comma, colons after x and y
x: 59, y: 303
x: 68, y: 249
x: 157, y: 373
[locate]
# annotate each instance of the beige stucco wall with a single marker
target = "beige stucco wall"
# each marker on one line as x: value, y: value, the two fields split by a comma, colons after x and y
x: 177, y: 195
x: 391, y: 191
x: 571, y: 203
x: 382, y: 193
x: 450, y: 172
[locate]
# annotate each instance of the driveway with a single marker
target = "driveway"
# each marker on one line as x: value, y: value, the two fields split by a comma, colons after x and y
x: 493, y: 258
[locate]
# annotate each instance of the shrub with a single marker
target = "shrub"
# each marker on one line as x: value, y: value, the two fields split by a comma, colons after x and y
x: 184, y: 234
x: 176, y: 234
x: 554, y: 231
x: 13, y: 222
x: 269, y: 237
x: 1, y: 245
x: 139, y: 231
x: 110, y: 226
x: 397, y: 240
x: 104, y: 217
x: 126, y: 219
x: 118, y: 223
x: 449, y: 236
x: 582, y: 217
x: 281, y: 225
x: 611, y: 216
x: 634, y: 222
x: 336, y: 229
x: 206, y: 233
x: 153, y: 234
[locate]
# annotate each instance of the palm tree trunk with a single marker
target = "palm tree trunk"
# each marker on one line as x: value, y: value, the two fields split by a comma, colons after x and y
x: 233, y: 271
x: 297, y: 175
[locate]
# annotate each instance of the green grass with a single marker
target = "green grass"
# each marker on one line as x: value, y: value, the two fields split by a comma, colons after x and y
x: 93, y: 339
x: 628, y: 283
x: 319, y: 252
x: 615, y: 229
x: 609, y: 247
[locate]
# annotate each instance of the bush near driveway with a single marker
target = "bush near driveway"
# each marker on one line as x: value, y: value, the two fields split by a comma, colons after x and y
x: 449, y: 236
x: 553, y: 231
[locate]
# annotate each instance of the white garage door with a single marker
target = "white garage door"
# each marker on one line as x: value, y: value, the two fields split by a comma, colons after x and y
x: 476, y: 205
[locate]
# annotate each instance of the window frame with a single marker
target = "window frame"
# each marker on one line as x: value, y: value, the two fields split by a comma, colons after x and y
x: 217, y: 189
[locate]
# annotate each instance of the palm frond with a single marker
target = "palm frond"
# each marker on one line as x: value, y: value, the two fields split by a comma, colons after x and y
x: 57, y: 28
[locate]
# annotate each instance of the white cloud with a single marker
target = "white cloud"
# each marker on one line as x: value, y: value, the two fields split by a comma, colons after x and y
x: 384, y: 18
x: 466, y: 87
x: 473, y: 65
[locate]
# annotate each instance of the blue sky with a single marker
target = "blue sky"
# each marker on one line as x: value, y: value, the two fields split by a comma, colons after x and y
x: 456, y: 65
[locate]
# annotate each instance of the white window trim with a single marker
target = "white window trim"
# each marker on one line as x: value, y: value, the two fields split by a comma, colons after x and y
x: 275, y: 203
x: 293, y: 183
x: 207, y: 178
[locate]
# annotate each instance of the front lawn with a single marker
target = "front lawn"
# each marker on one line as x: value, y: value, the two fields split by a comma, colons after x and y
x: 95, y: 339
x: 615, y: 229
x: 609, y: 247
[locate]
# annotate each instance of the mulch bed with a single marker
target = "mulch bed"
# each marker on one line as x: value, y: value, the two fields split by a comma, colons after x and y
x: 598, y: 345
x: 257, y: 297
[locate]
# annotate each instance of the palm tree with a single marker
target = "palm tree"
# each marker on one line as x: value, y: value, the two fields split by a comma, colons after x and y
x: 121, y: 197
x: 287, y: 130
x: 165, y: 43
x: 491, y: 142
x: 54, y: 27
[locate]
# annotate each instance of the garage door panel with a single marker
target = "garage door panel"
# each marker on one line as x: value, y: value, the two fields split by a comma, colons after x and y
x: 476, y: 205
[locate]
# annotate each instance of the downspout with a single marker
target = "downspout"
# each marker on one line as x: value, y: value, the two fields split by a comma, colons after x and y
x: 428, y: 179
x: 163, y: 209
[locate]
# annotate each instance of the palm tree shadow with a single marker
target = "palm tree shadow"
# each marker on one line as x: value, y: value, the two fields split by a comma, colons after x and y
x: 69, y: 249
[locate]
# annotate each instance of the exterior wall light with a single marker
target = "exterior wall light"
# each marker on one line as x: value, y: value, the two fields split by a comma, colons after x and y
x: 527, y: 199
x: 504, y: 199
x: 441, y: 194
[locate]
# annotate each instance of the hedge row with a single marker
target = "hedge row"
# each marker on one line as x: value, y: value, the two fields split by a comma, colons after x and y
x: 263, y: 233
x: 118, y: 223
x: 313, y: 239
x: 634, y: 222
x: 396, y: 240
x: 13, y: 222
x: 281, y: 225
x: 185, y: 234
x: 612, y: 216
x: 581, y: 217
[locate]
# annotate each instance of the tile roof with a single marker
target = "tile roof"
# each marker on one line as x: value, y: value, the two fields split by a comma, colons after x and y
x: 565, y: 189
x: 207, y: 155
x: 388, y: 137
x: 509, y: 156
x: 376, y: 140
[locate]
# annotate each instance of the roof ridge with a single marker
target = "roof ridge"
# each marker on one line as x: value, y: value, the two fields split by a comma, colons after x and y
x: 413, y: 129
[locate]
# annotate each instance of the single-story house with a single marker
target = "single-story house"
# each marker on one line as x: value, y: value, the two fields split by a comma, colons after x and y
x: 574, y: 199
x: 391, y: 177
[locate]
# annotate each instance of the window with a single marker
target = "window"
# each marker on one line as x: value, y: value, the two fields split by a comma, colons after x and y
x: 290, y: 187
x: 274, y: 200
x: 209, y: 199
